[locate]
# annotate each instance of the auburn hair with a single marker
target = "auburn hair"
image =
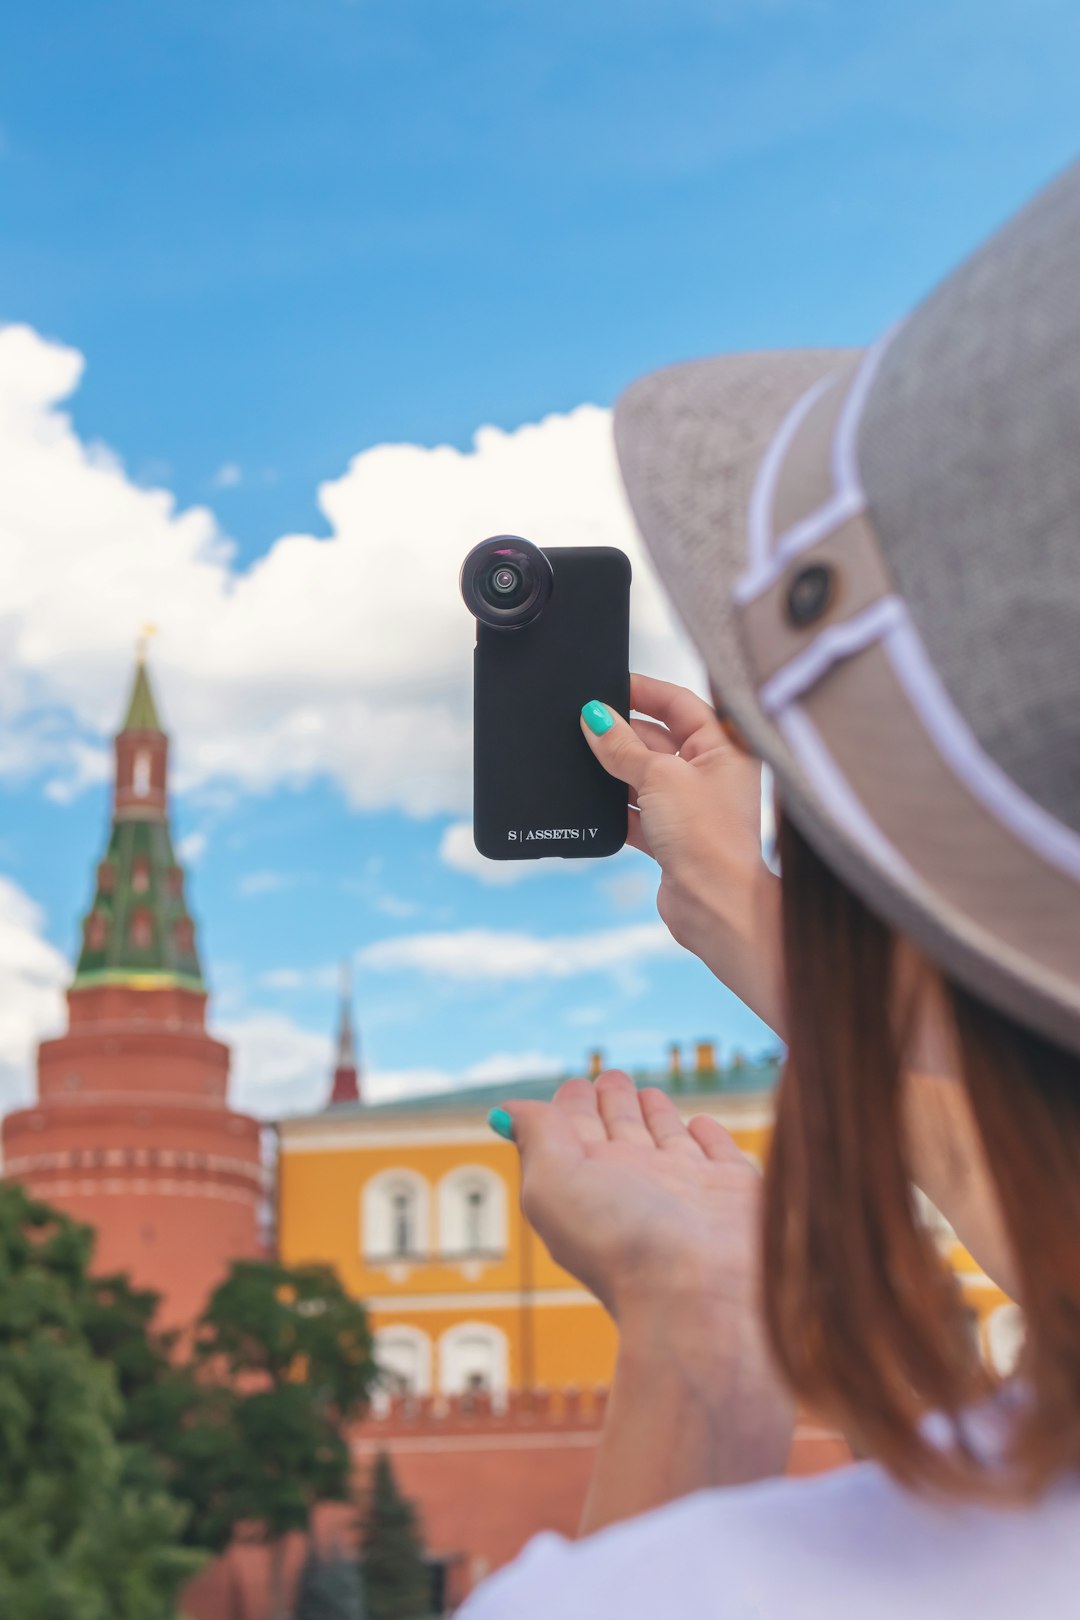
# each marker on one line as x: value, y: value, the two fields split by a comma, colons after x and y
x: 865, y: 1318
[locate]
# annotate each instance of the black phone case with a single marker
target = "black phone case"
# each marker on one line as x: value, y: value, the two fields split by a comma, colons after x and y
x: 537, y: 788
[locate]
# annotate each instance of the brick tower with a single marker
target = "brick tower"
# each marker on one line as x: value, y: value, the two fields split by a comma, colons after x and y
x: 346, y: 1086
x: 131, y: 1130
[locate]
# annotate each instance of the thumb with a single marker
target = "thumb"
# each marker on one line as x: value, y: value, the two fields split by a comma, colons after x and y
x: 616, y: 744
x: 538, y: 1130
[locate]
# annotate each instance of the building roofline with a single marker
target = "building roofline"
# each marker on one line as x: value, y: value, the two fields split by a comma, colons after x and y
x: 745, y: 1080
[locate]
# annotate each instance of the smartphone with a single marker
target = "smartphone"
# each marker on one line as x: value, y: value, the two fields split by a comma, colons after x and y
x: 552, y: 632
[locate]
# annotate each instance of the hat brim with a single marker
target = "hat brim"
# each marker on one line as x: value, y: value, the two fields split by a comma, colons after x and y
x: 690, y: 441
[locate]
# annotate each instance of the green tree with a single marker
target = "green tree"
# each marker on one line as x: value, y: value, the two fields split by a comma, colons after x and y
x: 286, y: 1360
x: 329, y: 1589
x: 87, y: 1532
x: 396, y: 1581
x: 179, y: 1422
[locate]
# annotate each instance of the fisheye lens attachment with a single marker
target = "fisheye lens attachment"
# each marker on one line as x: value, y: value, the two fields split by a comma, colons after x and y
x: 506, y: 581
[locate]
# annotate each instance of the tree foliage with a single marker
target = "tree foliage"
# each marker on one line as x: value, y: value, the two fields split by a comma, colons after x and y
x: 287, y: 1362
x: 396, y: 1581
x: 329, y: 1589
x: 87, y: 1529
x: 120, y: 1463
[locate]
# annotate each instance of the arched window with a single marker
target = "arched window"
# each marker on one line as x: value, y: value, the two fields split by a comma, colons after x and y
x: 394, y: 1217
x: 475, y: 1207
x: 140, y: 774
x: 472, y: 1213
x: 140, y: 874
x: 402, y: 1222
x: 473, y: 1358
x: 141, y: 930
x: 403, y: 1356
x: 97, y: 930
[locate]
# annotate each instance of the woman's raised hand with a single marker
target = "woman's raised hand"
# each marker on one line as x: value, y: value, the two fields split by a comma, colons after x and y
x: 696, y: 809
x: 643, y: 1209
x: 660, y: 1220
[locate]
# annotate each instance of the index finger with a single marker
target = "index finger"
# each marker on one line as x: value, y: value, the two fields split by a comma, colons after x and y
x: 681, y: 710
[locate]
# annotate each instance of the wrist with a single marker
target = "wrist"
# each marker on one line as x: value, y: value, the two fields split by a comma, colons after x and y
x: 690, y: 1318
x: 737, y: 935
x: 712, y: 1376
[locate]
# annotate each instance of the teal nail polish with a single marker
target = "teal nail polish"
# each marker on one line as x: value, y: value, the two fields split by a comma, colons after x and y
x: 598, y: 717
x: 501, y: 1123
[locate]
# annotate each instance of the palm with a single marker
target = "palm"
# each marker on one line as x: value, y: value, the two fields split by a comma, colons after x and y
x: 627, y: 1197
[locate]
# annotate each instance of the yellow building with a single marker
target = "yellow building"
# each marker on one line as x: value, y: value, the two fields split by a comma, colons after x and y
x: 416, y: 1205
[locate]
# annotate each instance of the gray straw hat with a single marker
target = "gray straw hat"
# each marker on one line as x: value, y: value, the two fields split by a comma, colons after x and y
x: 878, y: 555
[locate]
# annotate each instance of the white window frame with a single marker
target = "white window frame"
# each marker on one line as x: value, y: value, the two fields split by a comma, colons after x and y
x: 377, y: 1218
x: 453, y: 1214
x: 404, y: 1332
x: 452, y: 1370
x: 142, y: 770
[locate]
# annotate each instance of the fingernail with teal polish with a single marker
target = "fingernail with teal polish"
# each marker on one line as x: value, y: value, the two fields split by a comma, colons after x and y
x: 598, y: 717
x: 501, y: 1123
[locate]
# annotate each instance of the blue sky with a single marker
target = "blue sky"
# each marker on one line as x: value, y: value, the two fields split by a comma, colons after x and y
x: 283, y: 234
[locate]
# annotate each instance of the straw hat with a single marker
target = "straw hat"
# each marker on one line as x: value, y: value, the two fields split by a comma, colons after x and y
x: 878, y: 554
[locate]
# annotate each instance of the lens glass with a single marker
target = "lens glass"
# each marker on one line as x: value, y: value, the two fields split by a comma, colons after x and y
x: 505, y: 584
x: 506, y: 581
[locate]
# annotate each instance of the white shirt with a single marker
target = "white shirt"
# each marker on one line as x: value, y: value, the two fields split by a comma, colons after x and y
x: 848, y: 1545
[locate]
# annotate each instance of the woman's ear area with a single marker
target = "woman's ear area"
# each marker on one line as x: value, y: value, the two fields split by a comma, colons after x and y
x: 949, y: 1165
x: 948, y: 1162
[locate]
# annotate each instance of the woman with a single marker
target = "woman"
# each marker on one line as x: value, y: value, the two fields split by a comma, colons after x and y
x: 877, y: 556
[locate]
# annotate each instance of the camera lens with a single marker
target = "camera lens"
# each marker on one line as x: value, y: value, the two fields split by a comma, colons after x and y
x: 504, y: 585
x: 506, y: 581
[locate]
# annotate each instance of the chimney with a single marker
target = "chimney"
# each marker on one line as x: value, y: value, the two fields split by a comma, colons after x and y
x: 675, y: 1068
x: 596, y: 1063
x: 705, y: 1059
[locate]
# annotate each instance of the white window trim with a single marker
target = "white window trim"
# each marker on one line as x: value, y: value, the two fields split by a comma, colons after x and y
x: 449, y: 1383
x: 376, y: 1239
x: 425, y: 1359
x: 452, y: 1244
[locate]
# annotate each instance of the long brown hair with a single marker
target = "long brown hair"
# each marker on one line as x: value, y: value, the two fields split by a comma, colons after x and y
x: 866, y: 1320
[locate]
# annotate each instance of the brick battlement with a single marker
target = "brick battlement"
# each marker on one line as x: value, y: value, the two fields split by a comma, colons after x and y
x: 520, y: 1410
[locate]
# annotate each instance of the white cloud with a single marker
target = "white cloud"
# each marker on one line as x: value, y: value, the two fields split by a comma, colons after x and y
x: 32, y: 977
x: 633, y: 889
x: 511, y: 1066
x: 281, y: 1068
x: 253, y: 884
x: 228, y: 475
x: 327, y: 977
x: 393, y: 905
x: 587, y: 1017
x: 491, y: 954
x: 347, y: 657
x: 458, y: 851
x: 277, y: 1066
x: 192, y: 847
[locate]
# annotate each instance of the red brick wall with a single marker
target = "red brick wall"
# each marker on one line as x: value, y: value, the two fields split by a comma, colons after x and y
x: 483, y: 1482
x: 131, y: 1133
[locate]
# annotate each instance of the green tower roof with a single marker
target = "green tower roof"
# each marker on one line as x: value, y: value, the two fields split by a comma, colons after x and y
x: 138, y: 931
x: 142, y: 712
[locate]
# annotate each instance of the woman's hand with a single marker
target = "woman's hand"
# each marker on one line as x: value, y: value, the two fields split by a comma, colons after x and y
x: 696, y: 809
x: 659, y: 1220
x: 645, y: 1211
